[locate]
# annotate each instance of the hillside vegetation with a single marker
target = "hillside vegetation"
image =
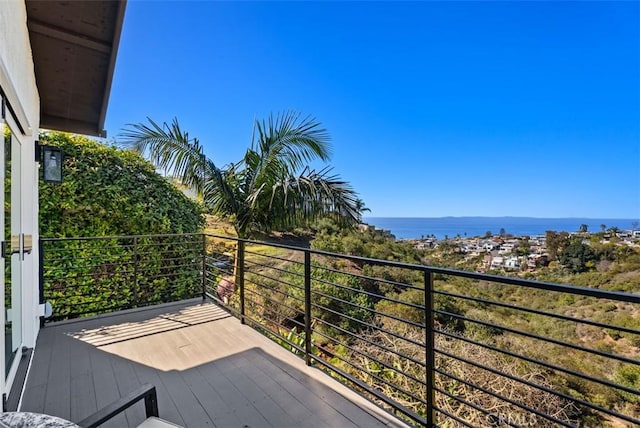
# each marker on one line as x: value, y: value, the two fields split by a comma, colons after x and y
x: 357, y: 342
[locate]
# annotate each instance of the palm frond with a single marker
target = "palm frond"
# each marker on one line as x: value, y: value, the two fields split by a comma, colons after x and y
x: 291, y: 140
x: 265, y: 190
x: 296, y: 200
x: 170, y: 149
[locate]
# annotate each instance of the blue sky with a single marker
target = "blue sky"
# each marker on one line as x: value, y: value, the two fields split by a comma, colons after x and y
x: 434, y: 108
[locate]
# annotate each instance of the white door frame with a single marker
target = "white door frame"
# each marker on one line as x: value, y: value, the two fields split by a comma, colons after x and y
x: 9, y: 376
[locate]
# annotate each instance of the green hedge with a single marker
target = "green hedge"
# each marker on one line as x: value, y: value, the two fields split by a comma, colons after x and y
x: 107, y: 192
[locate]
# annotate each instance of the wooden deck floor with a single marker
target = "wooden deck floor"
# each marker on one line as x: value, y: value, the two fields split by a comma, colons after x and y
x: 209, y: 370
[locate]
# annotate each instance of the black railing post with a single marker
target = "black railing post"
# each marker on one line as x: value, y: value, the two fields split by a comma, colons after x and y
x: 430, y: 356
x: 240, y: 263
x: 307, y: 306
x: 151, y: 403
x: 135, y: 272
x: 41, y: 276
x: 204, y: 266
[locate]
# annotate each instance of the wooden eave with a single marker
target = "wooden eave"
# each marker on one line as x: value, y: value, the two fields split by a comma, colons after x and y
x: 74, y: 46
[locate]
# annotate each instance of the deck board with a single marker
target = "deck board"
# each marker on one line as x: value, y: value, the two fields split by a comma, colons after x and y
x: 83, y: 403
x: 296, y: 410
x: 58, y: 395
x: 271, y: 406
x: 149, y: 375
x: 191, y: 410
x: 106, y: 387
x: 211, y: 400
x: 209, y: 371
x: 127, y: 381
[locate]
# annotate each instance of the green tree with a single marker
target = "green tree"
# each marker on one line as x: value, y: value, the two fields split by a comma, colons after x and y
x: 577, y: 256
x: 584, y: 228
x: 603, y: 227
x: 523, y: 247
x: 361, y: 208
x: 555, y: 242
x: 270, y: 188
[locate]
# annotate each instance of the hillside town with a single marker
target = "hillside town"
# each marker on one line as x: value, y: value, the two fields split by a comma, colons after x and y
x: 506, y: 252
x: 519, y: 253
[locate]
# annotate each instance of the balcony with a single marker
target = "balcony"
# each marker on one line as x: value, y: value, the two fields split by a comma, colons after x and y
x: 208, y: 369
x: 305, y: 330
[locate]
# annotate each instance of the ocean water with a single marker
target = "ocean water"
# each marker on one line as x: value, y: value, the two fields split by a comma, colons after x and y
x: 417, y: 227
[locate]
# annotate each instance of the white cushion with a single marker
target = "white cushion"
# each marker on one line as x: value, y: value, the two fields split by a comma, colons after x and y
x: 154, y: 422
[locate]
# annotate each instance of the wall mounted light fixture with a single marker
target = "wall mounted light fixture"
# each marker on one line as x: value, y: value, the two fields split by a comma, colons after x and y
x: 52, y: 159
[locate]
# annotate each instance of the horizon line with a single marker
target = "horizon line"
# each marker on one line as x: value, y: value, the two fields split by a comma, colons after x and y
x: 510, y: 216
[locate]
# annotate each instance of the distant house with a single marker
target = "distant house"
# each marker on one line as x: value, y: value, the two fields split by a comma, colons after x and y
x: 497, y: 262
x: 489, y: 245
x: 540, y: 239
x: 512, y: 263
x: 363, y: 227
x: 506, y: 248
x: 536, y: 249
x: 538, y: 260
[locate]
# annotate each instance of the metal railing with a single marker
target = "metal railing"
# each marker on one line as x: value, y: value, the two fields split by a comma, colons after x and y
x: 438, y: 347
x: 92, y: 276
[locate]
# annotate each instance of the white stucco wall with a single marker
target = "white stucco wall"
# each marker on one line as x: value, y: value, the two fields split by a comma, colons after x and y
x: 15, y: 60
x: 18, y: 82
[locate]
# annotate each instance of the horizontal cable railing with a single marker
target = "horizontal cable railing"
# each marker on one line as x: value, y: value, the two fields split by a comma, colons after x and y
x: 436, y: 346
x: 97, y: 275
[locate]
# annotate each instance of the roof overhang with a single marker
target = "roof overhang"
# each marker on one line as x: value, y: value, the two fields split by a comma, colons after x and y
x: 74, y: 46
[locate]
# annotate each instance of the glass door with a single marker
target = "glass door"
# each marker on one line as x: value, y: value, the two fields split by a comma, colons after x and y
x: 12, y: 249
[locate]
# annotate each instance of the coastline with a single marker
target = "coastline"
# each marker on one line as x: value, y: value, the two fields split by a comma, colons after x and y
x: 405, y: 228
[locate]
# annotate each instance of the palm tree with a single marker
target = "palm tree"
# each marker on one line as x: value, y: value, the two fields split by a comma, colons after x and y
x: 361, y: 208
x: 270, y: 188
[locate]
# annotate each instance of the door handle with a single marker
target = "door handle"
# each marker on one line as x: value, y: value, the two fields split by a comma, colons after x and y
x: 14, y: 247
x: 27, y: 243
